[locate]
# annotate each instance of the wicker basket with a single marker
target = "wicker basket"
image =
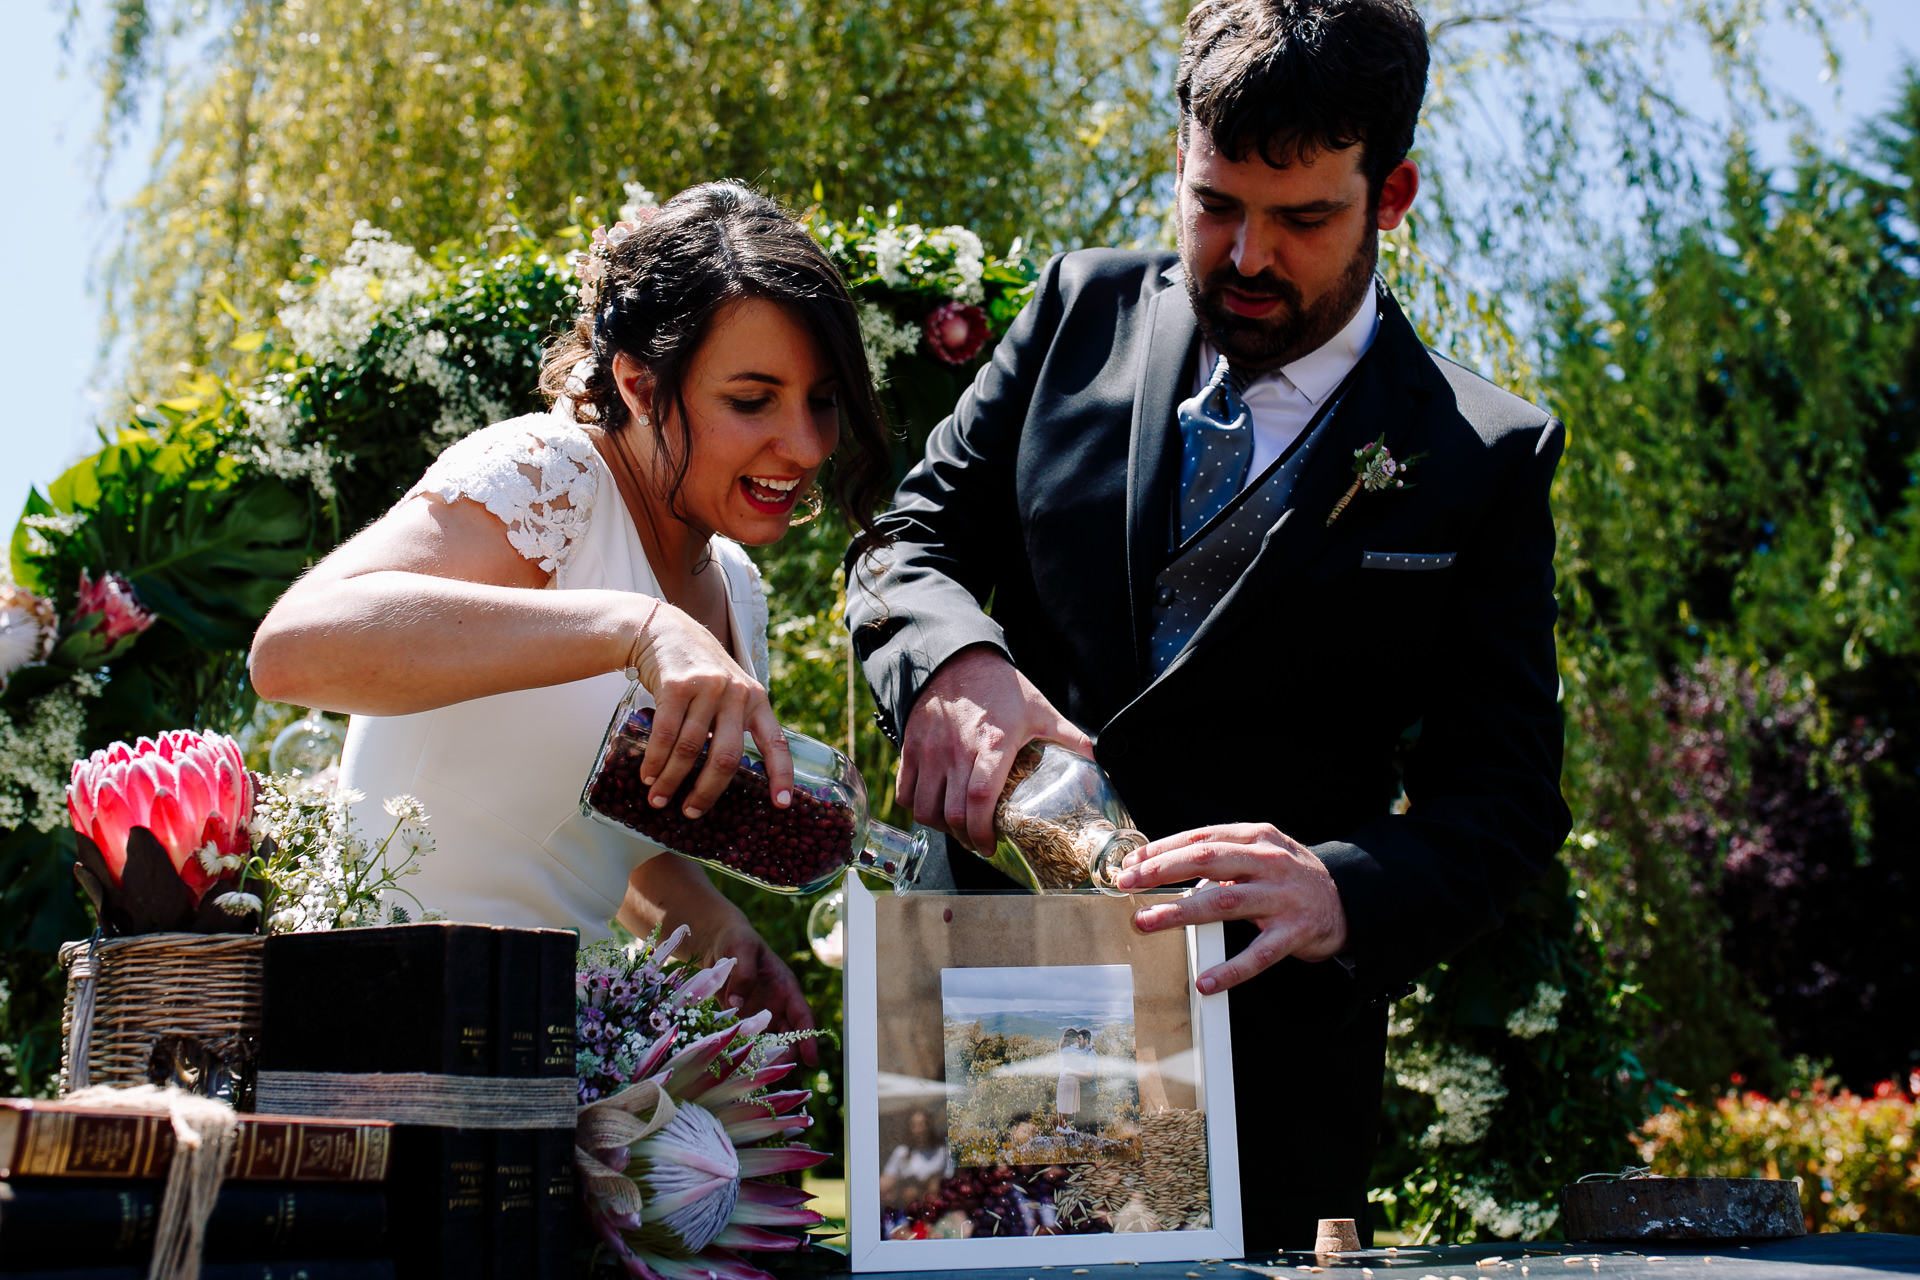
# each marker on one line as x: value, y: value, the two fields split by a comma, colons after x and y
x: 198, y: 987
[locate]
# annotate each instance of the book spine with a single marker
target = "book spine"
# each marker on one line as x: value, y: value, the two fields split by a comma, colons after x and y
x: 77, y: 1144
x: 448, y: 1173
x: 299, y: 1269
x: 417, y: 997
x: 554, y: 1198
x: 516, y: 1053
x: 66, y: 1224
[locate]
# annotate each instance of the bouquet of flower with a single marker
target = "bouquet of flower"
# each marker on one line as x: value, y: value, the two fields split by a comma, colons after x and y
x: 174, y: 834
x: 915, y: 285
x: 676, y: 1109
x: 315, y: 873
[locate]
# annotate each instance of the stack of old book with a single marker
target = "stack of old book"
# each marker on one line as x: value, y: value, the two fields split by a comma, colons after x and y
x: 81, y: 1189
x: 463, y: 1035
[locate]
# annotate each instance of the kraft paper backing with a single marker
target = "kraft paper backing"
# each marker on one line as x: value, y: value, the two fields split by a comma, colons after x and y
x: 915, y: 941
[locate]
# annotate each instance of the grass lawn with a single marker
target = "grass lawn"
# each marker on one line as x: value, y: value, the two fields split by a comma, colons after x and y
x: 829, y: 1201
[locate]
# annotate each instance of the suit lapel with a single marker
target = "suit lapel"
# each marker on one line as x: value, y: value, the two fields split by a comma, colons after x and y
x: 1386, y: 398
x: 1153, y: 453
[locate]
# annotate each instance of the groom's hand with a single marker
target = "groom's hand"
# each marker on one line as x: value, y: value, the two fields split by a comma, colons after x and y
x: 971, y: 718
x: 1258, y: 874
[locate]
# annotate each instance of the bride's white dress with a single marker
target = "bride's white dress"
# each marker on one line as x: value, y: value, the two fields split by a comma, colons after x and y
x: 501, y: 777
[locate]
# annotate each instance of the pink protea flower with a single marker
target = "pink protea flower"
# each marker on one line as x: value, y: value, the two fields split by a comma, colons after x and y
x: 956, y: 331
x: 120, y: 610
x: 191, y: 790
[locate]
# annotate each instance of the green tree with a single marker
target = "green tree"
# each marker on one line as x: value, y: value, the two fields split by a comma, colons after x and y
x: 441, y: 119
x: 1019, y: 118
x: 1739, y: 485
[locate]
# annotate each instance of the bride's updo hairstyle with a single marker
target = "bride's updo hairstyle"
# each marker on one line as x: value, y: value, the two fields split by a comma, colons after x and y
x: 665, y: 283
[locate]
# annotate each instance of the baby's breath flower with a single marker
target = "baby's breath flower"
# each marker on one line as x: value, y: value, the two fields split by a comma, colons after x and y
x: 323, y: 874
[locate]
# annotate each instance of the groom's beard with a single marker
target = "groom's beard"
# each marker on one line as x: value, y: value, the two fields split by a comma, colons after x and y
x: 1264, y: 344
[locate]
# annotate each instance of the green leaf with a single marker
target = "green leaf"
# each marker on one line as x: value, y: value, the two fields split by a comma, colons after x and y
x: 205, y: 553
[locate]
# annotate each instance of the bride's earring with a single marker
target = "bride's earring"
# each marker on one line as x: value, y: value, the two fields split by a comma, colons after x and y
x: 643, y: 420
x: 815, y: 504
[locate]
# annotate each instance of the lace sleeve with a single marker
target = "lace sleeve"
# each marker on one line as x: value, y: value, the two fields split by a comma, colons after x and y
x: 535, y: 473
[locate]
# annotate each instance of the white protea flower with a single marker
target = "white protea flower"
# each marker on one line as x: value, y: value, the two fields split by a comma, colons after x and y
x: 689, y: 1182
x: 669, y: 1166
x: 891, y: 247
x: 28, y: 628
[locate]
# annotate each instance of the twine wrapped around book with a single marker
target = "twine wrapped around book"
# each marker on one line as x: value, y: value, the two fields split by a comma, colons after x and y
x: 204, y: 1132
x: 417, y: 1097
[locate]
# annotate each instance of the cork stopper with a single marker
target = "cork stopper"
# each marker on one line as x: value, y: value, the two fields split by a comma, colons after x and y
x: 1336, y: 1235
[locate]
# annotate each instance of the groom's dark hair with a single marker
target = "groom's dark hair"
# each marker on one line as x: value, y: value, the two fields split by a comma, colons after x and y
x: 1275, y: 78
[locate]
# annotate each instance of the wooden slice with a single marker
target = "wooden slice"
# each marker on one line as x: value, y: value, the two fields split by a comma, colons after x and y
x: 1683, y: 1209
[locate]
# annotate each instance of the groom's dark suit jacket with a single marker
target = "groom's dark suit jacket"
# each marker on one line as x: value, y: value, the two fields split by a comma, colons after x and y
x: 1319, y: 684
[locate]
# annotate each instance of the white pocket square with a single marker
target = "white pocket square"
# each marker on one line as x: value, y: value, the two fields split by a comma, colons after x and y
x: 1407, y: 559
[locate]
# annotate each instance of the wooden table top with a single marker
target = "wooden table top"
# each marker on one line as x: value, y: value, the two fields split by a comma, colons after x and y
x: 1843, y: 1256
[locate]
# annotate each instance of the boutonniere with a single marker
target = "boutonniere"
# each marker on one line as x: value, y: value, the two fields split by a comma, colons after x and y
x: 1375, y: 468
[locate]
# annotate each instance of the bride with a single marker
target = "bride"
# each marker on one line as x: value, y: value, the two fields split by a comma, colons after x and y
x: 477, y: 632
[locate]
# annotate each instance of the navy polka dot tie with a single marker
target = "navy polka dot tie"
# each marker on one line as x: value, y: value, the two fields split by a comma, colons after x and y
x: 1216, y: 435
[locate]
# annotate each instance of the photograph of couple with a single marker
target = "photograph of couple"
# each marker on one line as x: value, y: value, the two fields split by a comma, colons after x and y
x: 1020, y: 1094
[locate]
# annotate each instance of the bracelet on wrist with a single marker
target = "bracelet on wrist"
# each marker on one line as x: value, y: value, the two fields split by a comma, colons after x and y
x: 632, y: 667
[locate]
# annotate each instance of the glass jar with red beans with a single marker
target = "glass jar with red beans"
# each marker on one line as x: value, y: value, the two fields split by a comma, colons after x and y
x: 800, y: 849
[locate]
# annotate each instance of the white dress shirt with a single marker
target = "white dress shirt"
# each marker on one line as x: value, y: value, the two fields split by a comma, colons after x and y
x: 1283, y: 402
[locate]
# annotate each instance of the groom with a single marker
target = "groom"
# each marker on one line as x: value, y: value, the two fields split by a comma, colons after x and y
x: 1218, y: 520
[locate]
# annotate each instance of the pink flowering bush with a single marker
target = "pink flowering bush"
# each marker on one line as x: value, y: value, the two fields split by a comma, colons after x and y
x: 1856, y: 1155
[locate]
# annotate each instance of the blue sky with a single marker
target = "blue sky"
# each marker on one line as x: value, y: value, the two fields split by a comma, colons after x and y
x: 56, y: 223
x: 1093, y: 992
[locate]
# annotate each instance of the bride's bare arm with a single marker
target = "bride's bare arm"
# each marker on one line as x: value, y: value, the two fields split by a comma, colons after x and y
x: 431, y: 605
x: 428, y: 606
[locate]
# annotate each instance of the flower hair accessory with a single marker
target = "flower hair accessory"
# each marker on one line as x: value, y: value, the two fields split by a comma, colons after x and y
x: 1375, y: 468
x: 591, y: 267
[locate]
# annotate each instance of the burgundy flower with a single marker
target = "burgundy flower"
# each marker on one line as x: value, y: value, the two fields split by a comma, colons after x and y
x: 956, y: 332
x: 120, y: 610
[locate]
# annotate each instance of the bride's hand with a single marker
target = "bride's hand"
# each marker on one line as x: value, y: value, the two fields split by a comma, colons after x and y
x: 703, y: 701
x: 762, y: 980
x: 667, y: 891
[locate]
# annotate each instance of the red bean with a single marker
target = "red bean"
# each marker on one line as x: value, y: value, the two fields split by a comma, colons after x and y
x: 790, y: 849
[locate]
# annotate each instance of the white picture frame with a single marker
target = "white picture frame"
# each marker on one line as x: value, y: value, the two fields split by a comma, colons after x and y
x: 868, y: 1252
